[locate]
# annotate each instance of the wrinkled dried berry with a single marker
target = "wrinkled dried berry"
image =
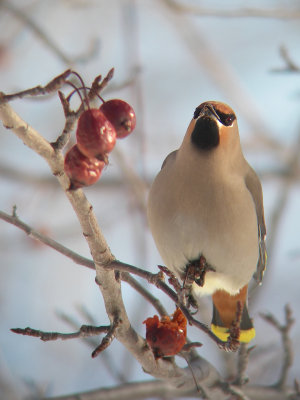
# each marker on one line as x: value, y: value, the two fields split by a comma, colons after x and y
x: 166, y: 336
x: 81, y: 170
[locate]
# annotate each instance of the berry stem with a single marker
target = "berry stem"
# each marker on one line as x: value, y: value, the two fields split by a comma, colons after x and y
x: 83, y: 86
x: 101, y: 98
x: 76, y: 90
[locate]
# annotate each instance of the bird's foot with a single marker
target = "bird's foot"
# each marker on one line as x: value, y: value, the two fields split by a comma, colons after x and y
x: 196, y: 271
x: 184, y: 295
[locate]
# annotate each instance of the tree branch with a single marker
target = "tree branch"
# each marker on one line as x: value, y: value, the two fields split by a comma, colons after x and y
x: 78, y: 259
x: 108, y: 338
x: 84, y: 331
x: 39, y: 32
x: 237, y: 13
x: 126, y: 277
x: 32, y: 233
x: 101, y: 254
x: 243, y: 358
x: 177, y: 381
x: 284, y: 330
x: 118, y: 265
x: 290, y: 65
x: 108, y: 362
x: 96, y: 241
x: 157, y: 388
x: 71, y: 116
x: 125, y: 269
x: 161, y: 389
x: 54, y: 85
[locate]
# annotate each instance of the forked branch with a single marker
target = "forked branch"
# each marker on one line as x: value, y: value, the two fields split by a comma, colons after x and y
x: 284, y: 330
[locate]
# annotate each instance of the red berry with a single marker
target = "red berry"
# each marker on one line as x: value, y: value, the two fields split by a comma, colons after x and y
x: 166, y: 336
x: 96, y: 136
x: 121, y: 115
x: 81, y: 170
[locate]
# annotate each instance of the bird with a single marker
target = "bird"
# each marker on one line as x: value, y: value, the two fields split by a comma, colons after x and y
x: 205, y: 212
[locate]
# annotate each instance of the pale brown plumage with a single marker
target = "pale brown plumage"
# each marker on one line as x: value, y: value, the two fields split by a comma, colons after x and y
x: 207, y: 200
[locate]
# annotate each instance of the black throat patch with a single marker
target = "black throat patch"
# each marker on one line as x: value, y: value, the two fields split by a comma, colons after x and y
x: 205, y: 135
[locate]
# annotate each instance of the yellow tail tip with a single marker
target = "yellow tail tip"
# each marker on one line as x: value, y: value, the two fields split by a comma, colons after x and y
x: 222, y: 333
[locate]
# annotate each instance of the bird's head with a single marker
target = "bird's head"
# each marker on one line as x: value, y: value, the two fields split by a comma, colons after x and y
x: 213, y: 125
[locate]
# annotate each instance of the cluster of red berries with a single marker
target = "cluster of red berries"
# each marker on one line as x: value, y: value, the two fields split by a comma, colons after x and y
x: 97, y: 131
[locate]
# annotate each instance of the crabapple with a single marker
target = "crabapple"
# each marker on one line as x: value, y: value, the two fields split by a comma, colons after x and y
x: 81, y: 170
x: 166, y: 336
x: 96, y: 136
x: 121, y: 115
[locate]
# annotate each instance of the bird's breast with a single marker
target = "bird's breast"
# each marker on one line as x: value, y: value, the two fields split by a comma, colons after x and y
x: 209, y: 217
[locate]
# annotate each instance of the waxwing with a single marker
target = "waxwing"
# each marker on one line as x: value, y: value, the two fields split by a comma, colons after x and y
x: 205, y: 208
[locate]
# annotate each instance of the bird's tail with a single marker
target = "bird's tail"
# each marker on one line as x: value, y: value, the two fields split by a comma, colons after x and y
x: 224, y: 314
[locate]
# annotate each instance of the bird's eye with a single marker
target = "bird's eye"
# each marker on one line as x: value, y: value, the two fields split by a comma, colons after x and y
x: 197, y: 112
x: 228, y: 120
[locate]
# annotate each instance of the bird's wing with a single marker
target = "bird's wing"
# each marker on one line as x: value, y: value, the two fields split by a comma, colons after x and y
x: 169, y: 157
x: 254, y: 186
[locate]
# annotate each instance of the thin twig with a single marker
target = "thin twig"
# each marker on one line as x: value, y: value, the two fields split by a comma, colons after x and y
x: 118, y: 265
x: 289, y: 66
x: 78, y: 259
x: 126, y: 277
x: 74, y: 325
x: 92, y: 48
x: 71, y: 116
x: 30, y: 23
x: 108, y: 338
x: 189, y: 346
x: 296, y: 394
x: 84, y: 331
x: 70, y: 119
x: 284, y: 330
x: 173, y: 281
x: 242, y: 363
x: 98, y: 85
x: 124, y: 268
x: 235, y: 391
x: 115, y: 370
x: 53, y: 86
x: 283, y: 13
x: 183, y: 291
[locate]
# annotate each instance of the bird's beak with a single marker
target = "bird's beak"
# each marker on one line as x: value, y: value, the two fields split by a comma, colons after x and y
x: 208, y: 110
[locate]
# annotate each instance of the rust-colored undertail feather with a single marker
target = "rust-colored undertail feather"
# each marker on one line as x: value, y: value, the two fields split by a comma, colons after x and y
x: 224, y: 313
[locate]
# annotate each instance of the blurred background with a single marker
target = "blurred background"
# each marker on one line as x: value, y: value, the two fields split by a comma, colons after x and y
x: 169, y: 56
